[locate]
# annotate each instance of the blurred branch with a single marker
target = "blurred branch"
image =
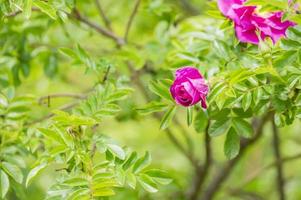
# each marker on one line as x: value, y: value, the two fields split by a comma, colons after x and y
x: 64, y: 108
x: 188, y: 139
x: 61, y: 95
x: 203, y: 170
x: 103, y: 15
x: 131, y: 19
x: 174, y: 140
x: 257, y: 172
x: 13, y: 14
x: 279, y: 167
x: 189, y: 7
x: 99, y: 29
x: 226, y: 170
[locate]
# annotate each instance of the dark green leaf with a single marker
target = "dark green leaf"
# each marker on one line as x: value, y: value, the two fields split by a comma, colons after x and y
x: 232, y: 144
x: 242, y: 127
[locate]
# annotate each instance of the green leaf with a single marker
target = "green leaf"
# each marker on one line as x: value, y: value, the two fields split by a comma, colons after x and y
x: 131, y: 180
x: 142, y: 163
x: 4, y: 183
x: 246, y: 101
x: 161, y: 90
x: 117, y: 151
x: 151, y: 107
x: 232, y: 144
x: 34, y: 172
x: 285, y: 59
x: 13, y: 171
x: 52, y: 135
x: 167, y: 118
x: 189, y: 115
x: 76, y: 181
x: 147, y: 183
x: 200, y: 121
x: 46, y: 8
x: 130, y: 161
x: 242, y: 127
x: 109, y: 183
x: 219, y: 127
x: 103, y: 192
x: 68, y: 52
x: 27, y: 8
x: 159, y: 176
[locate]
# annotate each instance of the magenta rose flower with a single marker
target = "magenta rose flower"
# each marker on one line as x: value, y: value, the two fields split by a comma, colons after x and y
x: 251, y: 27
x: 277, y: 26
x: 189, y: 87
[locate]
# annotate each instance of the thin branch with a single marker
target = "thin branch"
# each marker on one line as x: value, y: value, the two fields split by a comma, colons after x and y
x: 64, y: 107
x: 61, y: 95
x: 188, y: 139
x: 259, y: 171
x: 131, y: 19
x: 103, y: 15
x: 202, y: 171
x: 279, y: 167
x: 105, y: 78
x: 188, y: 7
x: 13, y: 14
x: 226, y: 170
x: 97, y: 28
x: 177, y: 144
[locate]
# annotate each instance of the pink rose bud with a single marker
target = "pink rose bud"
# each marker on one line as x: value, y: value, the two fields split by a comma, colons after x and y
x: 189, y: 87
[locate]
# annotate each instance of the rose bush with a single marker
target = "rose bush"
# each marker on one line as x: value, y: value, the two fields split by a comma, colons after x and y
x: 152, y: 99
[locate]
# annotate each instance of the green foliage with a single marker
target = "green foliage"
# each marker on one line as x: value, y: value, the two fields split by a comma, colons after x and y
x: 62, y: 46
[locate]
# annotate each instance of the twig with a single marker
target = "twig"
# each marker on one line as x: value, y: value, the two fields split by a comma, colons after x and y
x: 188, y: 7
x: 277, y: 153
x: 188, y: 139
x: 64, y: 107
x: 103, y: 15
x: 61, y: 95
x: 105, y: 78
x: 202, y: 171
x: 225, y: 171
x: 13, y: 14
x: 97, y: 28
x: 174, y: 140
x: 257, y: 172
x: 131, y: 19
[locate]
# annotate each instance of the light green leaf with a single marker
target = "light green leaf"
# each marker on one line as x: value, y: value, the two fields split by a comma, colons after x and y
x: 27, y: 8
x: 117, y: 151
x: 152, y: 107
x: 103, y: 192
x: 130, y: 161
x: 189, y: 115
x: 159, y: 176
x: 232, y: 144
x: 46, y: 8
x: 142, y: 163
x: 161, y: 90
x: 13, y: 171
x: 34, y: 172
x: 4, y: 183
x: 76, y: 181
x: 246, y: 101
x: 131, y: 180
x: 147, y: 183
x: 167, y: 118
